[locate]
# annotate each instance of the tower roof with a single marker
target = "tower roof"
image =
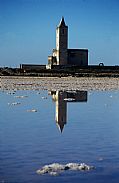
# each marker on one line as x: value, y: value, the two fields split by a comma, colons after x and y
x: 62, y: 22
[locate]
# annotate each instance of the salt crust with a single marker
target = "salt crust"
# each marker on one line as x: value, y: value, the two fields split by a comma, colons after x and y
x: 56, y: 168
x: 58, y: 84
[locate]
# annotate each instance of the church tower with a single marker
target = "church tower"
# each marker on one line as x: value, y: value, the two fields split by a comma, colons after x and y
x: 62, y: 43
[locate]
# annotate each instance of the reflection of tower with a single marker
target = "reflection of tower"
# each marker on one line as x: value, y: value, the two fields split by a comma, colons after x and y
x: 61, y: 99
x: 61, y: 110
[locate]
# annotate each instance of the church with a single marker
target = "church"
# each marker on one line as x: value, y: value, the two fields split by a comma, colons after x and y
x: 61, y: 55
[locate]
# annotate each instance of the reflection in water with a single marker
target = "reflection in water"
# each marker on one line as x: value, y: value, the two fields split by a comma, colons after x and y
x: 61, y: 98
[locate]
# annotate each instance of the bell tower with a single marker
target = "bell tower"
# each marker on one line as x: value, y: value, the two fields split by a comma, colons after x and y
x: 61, y: 43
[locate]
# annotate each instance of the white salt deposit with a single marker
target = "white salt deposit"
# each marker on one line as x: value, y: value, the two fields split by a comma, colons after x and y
x: 21, y: 96
x: 44, y: 97
x: 56, y: 168
x: 14, y: 103
x: 32, y: 110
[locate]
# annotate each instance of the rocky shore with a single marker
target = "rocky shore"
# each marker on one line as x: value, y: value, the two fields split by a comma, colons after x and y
x: 56, y: 83
x: 74, y: 71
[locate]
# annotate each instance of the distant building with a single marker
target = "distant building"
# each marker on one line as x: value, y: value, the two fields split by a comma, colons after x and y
x: 63, y: 56
x: 32, y: 67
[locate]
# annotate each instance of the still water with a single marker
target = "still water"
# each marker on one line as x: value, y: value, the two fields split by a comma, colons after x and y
x: 43, y: 127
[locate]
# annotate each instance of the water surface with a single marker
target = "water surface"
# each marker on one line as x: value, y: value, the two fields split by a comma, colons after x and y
x: 44, y: 127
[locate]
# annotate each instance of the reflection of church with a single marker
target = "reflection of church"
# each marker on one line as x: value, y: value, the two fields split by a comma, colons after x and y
x: 61, y: 98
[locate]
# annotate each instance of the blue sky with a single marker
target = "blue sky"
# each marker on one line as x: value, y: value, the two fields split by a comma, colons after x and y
x: 27, y: 29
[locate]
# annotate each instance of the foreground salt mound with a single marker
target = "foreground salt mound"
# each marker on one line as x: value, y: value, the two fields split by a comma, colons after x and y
x: 56, y: 168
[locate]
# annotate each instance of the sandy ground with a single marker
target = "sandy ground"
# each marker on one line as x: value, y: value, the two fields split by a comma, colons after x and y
x: 53, y: 84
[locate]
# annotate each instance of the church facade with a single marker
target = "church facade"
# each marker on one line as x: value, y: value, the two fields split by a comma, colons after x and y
x: 62, y: 56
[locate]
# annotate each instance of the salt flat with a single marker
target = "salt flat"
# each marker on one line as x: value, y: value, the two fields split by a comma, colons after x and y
x: 56, y: 83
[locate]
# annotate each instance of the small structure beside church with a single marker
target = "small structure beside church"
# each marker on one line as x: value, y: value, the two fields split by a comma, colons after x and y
x: 62, y: 56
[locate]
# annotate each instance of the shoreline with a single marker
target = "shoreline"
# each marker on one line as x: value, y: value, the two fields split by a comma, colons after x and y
x: 62, y: 74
